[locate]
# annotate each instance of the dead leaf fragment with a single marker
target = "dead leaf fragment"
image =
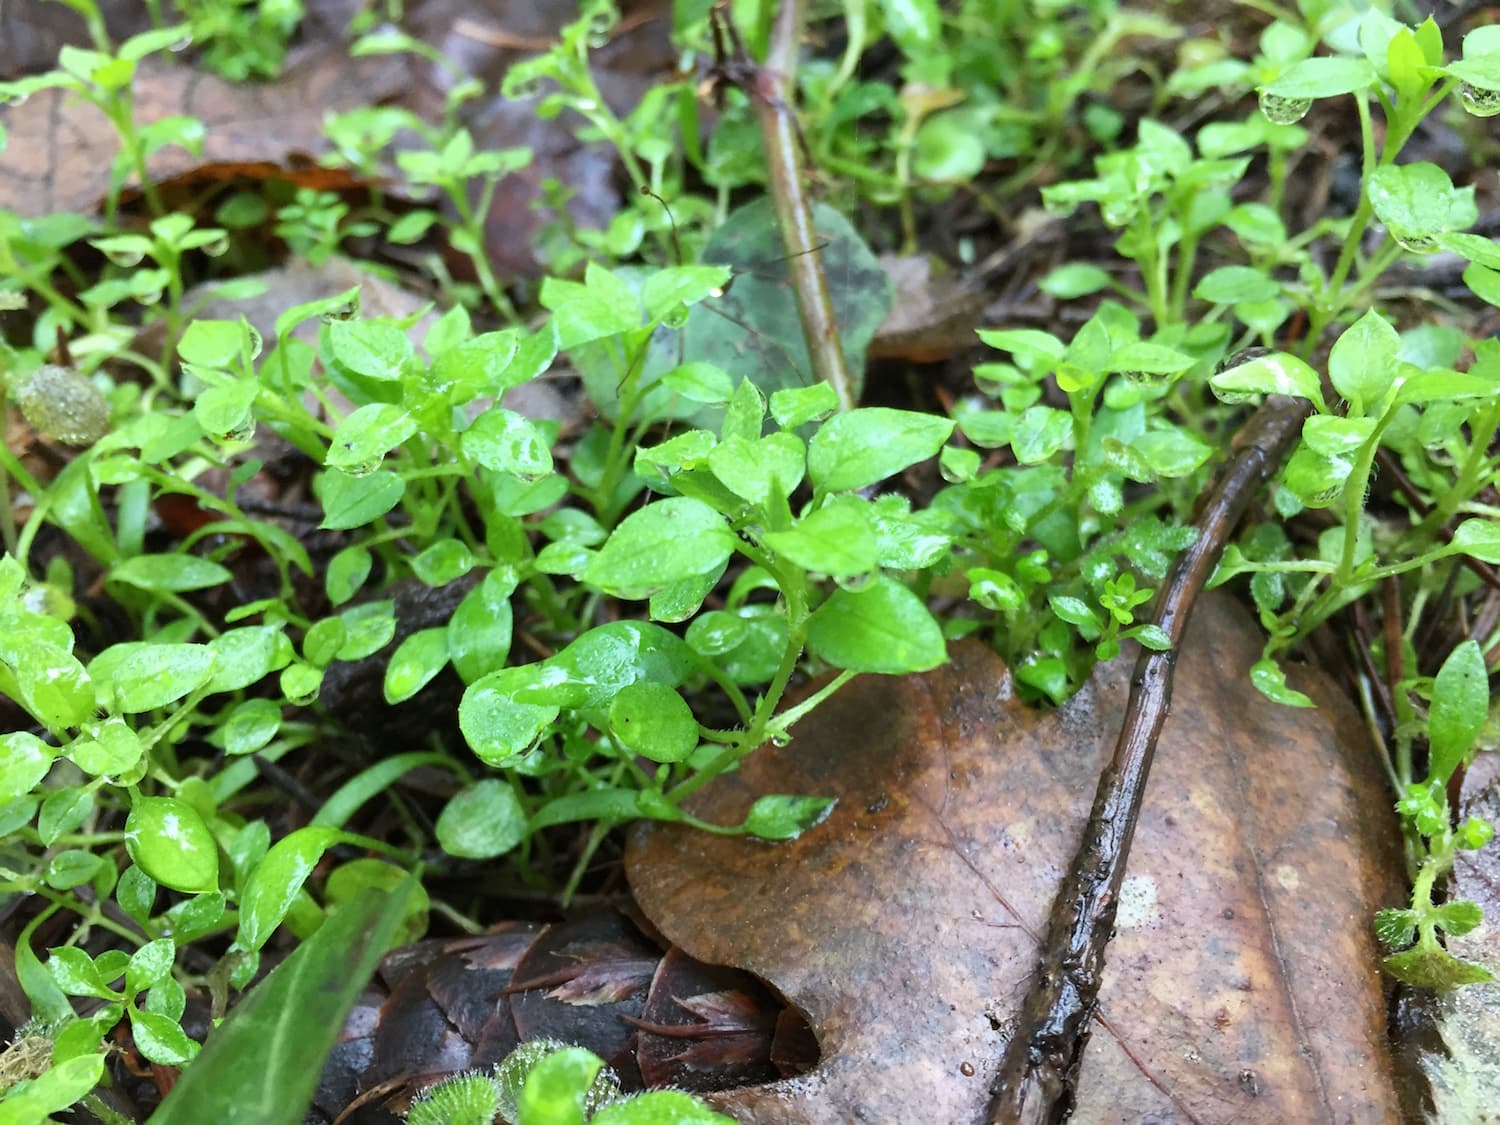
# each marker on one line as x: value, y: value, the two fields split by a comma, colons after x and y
x: 1243, y: 984
x: 61, y: 147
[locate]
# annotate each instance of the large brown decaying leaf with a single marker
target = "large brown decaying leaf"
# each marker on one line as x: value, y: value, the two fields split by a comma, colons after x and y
x: 1243, y: 983
x: 61, y: 147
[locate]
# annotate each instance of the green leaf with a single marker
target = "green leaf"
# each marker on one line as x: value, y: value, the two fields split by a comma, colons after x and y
x: 479, y: 632
x: 174, y: 573
x: 604, y: 305
x: 781, y: 817
x: 143, y: 675
x: 160, y: 1039
x: 24, y: 761
x: 444, y: 561
x: 663, y: 543
x: 47, y: 679
x: 836, y: 539
x: 556, y: 1088
x: 1172, y: 452
x: 1483, y: 282
x: 53, y: 1091
x: 212, y: 343
x: 415, y: 662
x: 498, y: 726
x: 1363, y: 361
x: 657, y: 1108
x: 1230, y: 285
x: 755, y: 468
x: 881, y: 627
x: 796, y: 406
x: 273, y: 884
x: 754, y: 330
x: 1432, y: 967
x: 364, y: 438
x: 486, y: 365
x: 701, y: 382
x: 863, y: 447
x: 375, y: 779
x: 666, y: 289
x: 1027, y: 344
x: 255, y: 1066
x: 1479, y: 538
x: 1332, y: 436
x: 607, y: 658
x: 251, y: 725
x: 353, y: 501
x: 1076, y: 279
x: 1323, y: 78
x: 1458, y: 917
x: 1039, y: 433
x: 168, y: 840
x: 377, y: 350
x: 243, y: 656
x: 507, y: 442
x: 368, y: 628
x: 482, y: 821
x: 1276, y: 374
x: 1417, y: 202
x: 347, y: 572
x: 1270, y: 680
x: 1460, y: 705
x: 652, y: 719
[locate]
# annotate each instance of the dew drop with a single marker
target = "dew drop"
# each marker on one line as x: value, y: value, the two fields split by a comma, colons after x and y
x: 1143, y: 378
x: 217, y: 248
x: 1235, y: 398
x: 1416, y: 243
x: 361, y: 468
x: 1479, y: 101
x: 180, y: 45
x: 257, y: 341
x: 347, y: 311
x: 1280, y: 110
x: 65, y: 404
x: 240, y: 433
x: 125, y: 259
x: 1244, y: 355
x: 17, y: 99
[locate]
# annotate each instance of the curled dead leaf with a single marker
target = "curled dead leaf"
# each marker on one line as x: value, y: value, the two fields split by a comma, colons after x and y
x: 1243, y: 983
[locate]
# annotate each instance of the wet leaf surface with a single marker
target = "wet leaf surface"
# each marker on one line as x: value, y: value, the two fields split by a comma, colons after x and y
x: 1242, y: 984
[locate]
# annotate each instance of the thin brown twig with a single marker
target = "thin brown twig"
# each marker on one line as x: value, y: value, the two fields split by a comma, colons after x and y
x: 769, y: 88
x: 1036, y: 1079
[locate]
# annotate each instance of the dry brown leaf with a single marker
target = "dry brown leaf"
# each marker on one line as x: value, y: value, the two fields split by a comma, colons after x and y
x: 1242, y: 986
x: 61, y: 147
x: 933, y: 316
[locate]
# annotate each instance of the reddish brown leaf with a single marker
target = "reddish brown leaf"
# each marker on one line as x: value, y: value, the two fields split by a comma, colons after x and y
x: 61, y: 147
x: 1243, y: 983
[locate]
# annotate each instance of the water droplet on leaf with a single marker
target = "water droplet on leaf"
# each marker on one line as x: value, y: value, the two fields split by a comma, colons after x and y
x: 1479, y: 101
x: 125, y: 259
x: 62, y: 403
x: 1281, y: 110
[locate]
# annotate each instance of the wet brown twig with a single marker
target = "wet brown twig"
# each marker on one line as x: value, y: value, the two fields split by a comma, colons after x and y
x: 770, y: 89
x: 1036, y: 1079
